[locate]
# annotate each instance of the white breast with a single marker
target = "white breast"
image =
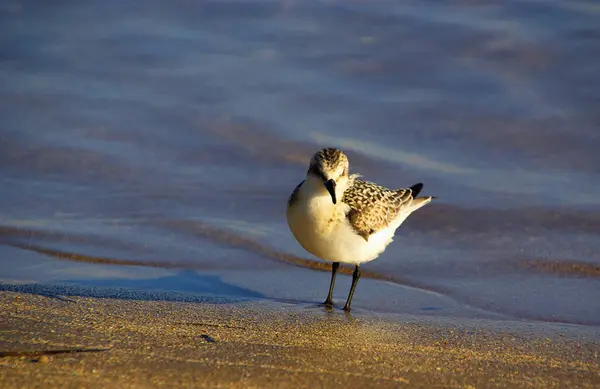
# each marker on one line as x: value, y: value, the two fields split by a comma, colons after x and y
x: 323, y: 230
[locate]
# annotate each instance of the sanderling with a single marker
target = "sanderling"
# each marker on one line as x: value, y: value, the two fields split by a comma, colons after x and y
x: 356, y: 229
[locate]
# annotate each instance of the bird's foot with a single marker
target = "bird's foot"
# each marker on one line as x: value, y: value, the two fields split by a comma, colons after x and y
x: 328, y: 304
x: 347, y: 308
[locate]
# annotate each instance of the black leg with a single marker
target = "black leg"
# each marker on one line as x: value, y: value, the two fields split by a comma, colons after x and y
x: 334, y: 269
x: 355, y: 277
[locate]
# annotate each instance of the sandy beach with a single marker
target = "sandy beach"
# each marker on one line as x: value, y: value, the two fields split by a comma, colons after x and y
x: 54, y: 341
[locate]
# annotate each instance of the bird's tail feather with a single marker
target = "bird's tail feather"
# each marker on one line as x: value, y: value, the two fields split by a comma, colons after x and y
x: 418, y: 203
x: 416, y: 189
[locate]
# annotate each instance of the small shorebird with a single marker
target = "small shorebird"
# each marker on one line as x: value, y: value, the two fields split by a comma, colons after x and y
x: 339, y: 218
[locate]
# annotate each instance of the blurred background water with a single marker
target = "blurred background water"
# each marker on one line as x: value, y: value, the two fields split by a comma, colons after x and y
x: 152, y: 145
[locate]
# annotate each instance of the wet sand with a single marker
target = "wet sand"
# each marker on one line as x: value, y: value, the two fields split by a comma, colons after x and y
x: 55, y: 341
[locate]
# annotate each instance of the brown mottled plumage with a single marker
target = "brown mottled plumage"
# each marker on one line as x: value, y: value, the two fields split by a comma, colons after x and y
x: 373, y: 207
x: 327, y: 160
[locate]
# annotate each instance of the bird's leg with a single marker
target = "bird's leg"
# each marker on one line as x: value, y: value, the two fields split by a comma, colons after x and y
x: 334, y: 269
x: 355, y: 277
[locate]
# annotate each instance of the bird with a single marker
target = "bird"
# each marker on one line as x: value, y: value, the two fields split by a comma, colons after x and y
x: 339, y: 218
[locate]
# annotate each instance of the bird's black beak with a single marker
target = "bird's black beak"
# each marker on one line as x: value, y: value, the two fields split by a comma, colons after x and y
x: 330, y: 185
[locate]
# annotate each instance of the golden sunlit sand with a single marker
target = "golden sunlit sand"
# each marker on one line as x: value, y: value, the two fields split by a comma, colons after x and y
x: 93, y: 342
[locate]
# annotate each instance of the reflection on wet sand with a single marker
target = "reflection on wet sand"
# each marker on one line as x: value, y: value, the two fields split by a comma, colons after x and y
x: 565, y: 268
x: 20, y: 238
x: 197, y: 229
x: 444, y: 219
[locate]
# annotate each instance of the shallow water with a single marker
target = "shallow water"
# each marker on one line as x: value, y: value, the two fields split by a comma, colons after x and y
x: 154, y: 146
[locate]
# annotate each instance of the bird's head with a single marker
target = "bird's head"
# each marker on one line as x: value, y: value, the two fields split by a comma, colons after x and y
x: 330, y: 167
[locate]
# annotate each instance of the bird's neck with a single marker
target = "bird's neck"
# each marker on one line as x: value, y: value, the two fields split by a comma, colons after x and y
x: 319, y: 206
x: 316, y: 188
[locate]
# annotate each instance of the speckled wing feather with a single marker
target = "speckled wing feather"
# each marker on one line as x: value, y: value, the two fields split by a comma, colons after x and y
x: 373, y: 207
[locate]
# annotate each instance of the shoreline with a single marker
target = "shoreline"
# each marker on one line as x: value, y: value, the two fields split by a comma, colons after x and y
x: 129, y: 343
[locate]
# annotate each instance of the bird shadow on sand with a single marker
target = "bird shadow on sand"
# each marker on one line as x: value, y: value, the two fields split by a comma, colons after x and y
x: 184, y: 286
